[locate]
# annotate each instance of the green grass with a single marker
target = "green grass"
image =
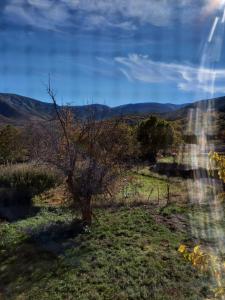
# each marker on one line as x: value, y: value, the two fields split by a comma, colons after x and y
x: 125, y: 255
x: 173, y: 209
x: 167, y: 159
x: 151, y: 187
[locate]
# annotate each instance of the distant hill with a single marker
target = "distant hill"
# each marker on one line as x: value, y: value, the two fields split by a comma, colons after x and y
x: 216, y: 103
x: 17, y: 110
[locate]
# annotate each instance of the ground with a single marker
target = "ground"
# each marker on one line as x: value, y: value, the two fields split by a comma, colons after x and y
x: 130, y: 252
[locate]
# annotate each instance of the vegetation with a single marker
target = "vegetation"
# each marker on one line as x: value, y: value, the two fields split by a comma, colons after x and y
x: 11, y: 145
x: 208, y: 264
x: 154, y: 134
x: 126, y: 255
x: 219, y: 160
x: 19, y: 183
x: 91, y: 154
x: 204, y: 260
x: 124, y: 245
x: 22, y: 176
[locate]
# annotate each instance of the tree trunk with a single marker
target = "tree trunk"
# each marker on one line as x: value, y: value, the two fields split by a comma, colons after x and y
x: 84, y: 203
x: 86, y: 212
x: 69, y: 181
x: 152, y: 158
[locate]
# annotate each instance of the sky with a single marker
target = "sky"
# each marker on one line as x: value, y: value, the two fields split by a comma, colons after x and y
x: 113, y: 52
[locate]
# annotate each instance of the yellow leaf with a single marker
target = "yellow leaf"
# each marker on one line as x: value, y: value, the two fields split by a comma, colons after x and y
x: 219, y: 292
x: 196, y: 249
x: 190, y: 257
x: 182, y: 248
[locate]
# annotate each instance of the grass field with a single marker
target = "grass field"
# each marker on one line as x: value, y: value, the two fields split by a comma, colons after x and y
x: 128, y: 254
x: 151, y: 188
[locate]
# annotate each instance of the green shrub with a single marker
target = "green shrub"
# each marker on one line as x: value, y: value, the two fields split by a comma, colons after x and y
x: 172, y: 209
x: 27, y: 180
x: 12, y: 145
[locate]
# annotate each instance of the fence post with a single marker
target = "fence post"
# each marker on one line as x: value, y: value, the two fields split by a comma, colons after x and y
x: 168, y: 193
x: 158, y: 194
x: 150, y: 194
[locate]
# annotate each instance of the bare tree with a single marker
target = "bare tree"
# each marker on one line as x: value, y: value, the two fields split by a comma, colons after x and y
x: 91, y: 153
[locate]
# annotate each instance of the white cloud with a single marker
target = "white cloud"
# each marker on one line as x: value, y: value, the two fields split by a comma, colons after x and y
x: 43, y: 4
x: 185, y: 77
x: 38, y: 13
x: 125, y: 14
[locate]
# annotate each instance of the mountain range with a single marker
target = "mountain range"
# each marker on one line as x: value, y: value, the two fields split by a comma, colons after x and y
x: 18, y: 110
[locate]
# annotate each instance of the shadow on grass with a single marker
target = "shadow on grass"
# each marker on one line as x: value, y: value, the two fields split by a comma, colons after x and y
x: 16, y: 204
x: 23, y: 267
x: 56, y: 238
x: 17, y: 212
x: 26, y: 264
x: 179, y: 170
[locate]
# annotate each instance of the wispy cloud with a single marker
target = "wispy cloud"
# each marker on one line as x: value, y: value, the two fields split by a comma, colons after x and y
x: 185, y: 77
x: 38, y: 13
x: 124, y: 14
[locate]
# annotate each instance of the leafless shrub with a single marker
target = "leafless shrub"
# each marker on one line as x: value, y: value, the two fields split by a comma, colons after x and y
x: 91, y: 153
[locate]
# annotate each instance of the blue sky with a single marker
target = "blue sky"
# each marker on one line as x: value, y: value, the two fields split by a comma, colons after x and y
x: 113, y: 52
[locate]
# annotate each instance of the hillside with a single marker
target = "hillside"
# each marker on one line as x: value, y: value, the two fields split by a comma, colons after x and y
x: 216, y: 103
x: 17, y: 110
